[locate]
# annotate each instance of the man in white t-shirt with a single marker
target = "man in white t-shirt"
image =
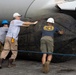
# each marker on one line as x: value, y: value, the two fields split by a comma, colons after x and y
x: 12, y: 37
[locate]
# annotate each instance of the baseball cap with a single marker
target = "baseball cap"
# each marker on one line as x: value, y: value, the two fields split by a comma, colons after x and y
x: 16, y: 14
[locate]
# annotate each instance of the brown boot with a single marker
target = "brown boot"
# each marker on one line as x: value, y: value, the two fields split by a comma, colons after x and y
x: 10, y: 63
x: 47, y: 66
x: 43, y: 68
x: 1, y: 61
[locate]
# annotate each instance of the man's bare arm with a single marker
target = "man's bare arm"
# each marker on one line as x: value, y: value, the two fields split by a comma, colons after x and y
x: 26, y: 25
x: 29, y: 23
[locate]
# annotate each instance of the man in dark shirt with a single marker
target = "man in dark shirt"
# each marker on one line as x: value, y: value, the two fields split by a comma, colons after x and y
x: 47, y: 43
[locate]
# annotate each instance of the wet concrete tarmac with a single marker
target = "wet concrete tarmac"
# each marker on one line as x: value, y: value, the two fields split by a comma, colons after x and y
x: 24, y: 67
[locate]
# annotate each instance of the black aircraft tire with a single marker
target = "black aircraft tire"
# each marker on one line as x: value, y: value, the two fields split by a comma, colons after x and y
x: 29, y: 38
x: 68, y: 40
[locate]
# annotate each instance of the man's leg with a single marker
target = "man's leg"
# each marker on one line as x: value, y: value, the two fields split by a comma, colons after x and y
x: 4, y: 52
x: 1, y: 47
x: 44, y: 58
x: 47, y: 64
x: 14, y: 54
x: 49, y: 57
x: 43, y: 49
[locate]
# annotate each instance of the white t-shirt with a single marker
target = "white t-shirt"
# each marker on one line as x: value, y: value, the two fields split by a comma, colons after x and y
x: 14, y: 29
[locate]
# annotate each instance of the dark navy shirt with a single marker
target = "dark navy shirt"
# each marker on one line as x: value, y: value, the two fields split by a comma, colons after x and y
x: 49, y: 31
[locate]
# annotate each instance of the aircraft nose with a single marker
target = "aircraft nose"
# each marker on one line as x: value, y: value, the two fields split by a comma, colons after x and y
x: 41, y: 8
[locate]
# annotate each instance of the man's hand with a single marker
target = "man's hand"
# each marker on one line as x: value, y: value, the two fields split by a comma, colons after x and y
x: 61, y: 32
x: 35, y: 22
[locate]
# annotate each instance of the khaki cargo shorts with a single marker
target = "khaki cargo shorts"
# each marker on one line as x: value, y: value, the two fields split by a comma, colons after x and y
x: 47, y: 44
